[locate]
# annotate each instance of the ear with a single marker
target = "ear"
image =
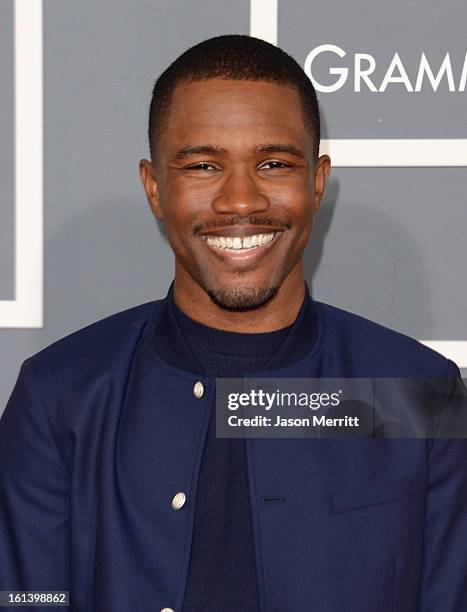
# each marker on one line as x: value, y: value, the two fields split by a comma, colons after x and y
x: 148, y: 178
x: 322, y: 170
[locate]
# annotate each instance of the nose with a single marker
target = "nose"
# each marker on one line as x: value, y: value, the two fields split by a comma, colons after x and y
x: 240, y: 194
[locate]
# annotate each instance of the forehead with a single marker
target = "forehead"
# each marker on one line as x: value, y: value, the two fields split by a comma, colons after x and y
x: 222, y: 111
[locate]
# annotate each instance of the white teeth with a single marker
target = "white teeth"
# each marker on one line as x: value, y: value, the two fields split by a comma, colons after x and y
x: 267, y: 238
x: 238, y: 243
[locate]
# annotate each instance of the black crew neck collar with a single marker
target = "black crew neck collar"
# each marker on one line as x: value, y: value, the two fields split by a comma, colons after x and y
x: 240, y: 344
x: 177, y: 336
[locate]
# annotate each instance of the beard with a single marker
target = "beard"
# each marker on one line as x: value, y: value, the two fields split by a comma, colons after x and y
x: 242, y: 299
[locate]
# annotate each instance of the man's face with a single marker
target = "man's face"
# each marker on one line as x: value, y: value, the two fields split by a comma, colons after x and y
x: 236, y: 186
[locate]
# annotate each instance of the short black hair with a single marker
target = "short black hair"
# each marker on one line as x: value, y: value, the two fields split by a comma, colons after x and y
x: 240, y: 58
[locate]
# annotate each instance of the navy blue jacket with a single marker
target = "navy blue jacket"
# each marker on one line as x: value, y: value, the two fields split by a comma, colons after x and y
x: 100, y: 433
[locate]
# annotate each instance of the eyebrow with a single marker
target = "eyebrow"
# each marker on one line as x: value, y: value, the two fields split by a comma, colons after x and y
x: 202, y: 149
x: 209, y: 149
x: 281, y: 148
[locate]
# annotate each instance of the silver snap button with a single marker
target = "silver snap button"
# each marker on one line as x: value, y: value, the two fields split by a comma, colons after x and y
x: 178, y: 500
x: 198, y: 389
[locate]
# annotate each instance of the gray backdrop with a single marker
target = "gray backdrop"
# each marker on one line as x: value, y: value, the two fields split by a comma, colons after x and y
x: 389, y: 242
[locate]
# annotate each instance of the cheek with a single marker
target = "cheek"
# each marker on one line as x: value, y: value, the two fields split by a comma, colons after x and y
x: 178, y: 208
x: 302, y: 218
x: 294, y: 196
x: 179, y: 220
x: 176, y: 231
x: 298, y: 208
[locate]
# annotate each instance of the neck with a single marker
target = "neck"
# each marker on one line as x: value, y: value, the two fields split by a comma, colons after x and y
x: 279, y: 312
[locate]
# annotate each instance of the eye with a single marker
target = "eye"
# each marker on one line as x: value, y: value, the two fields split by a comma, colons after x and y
x: 274, y: 165
x: 201, y: 166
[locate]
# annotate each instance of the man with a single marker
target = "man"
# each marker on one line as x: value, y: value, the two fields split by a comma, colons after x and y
x: 113, y: 483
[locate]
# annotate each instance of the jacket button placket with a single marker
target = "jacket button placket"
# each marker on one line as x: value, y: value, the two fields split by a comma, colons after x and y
x: 179, y: 498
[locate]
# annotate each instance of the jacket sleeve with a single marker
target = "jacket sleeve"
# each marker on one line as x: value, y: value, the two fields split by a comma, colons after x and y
x: 33, y: 495
x: 444, y: 578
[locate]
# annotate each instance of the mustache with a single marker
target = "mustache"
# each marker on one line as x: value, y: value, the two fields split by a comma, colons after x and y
x: 241, y: 221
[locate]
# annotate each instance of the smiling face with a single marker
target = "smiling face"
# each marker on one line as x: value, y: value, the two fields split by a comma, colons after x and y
x: 236, y: 186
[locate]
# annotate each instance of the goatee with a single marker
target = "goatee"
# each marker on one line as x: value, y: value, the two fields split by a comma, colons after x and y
x: 242, y: 299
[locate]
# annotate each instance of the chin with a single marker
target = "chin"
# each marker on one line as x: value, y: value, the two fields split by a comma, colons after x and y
x: 242, y: 299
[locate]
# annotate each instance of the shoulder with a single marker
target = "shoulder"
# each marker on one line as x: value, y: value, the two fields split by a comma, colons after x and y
x: 102, y: 344
x: 83, y: 373
x: 379, y: 351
